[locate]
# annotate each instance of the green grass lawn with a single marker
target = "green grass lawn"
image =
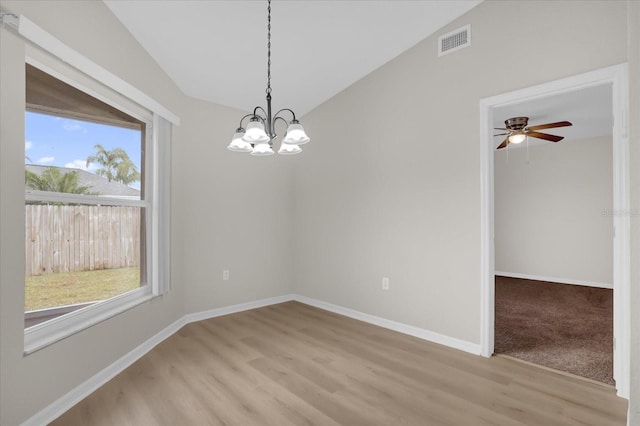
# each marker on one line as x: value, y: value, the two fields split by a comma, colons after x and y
x: 68, y: 288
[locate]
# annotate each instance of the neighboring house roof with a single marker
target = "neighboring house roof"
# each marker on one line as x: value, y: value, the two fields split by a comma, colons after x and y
x: 97, y: 183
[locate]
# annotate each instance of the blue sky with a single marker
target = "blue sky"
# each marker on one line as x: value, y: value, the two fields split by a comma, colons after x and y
x: 63, y: 142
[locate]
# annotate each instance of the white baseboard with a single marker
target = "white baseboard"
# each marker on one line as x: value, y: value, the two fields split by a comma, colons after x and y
x: 420, y: 333
x: 553, y: 279
x: 199, y: 316
x: 64, y: 403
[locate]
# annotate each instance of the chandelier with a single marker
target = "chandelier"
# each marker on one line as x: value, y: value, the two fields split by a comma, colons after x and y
x: 257, y: 138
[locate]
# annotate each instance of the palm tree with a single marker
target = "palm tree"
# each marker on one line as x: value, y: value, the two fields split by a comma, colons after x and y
x: 53, y: 180
x: 116, y: 165
x: 127, y: 171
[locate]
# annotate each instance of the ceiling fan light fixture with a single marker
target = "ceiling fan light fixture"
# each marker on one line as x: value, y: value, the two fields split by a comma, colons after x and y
x: 517, y: 137
x: 518, y: 131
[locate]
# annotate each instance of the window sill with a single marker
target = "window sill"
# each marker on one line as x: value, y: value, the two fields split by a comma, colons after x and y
x: 32, y: 318
x: 42, y: 335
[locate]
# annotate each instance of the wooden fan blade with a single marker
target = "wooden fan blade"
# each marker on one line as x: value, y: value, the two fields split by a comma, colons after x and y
x: 502, y: 134
x: 550, y: 125
x: 545, y: 136
x: 500, y: 128
x: 504, y: 143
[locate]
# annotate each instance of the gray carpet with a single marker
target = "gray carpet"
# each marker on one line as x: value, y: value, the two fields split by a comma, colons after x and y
x: 561, y: 326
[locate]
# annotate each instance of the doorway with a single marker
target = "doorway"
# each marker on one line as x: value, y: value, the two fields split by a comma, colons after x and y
x: 616, y: 80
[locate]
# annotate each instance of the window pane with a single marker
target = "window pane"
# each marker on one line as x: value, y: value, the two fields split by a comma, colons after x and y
x: 79, y: 254
x: 82, y: 157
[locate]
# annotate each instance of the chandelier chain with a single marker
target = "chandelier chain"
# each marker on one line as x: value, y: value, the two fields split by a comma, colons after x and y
x: 269, y: 47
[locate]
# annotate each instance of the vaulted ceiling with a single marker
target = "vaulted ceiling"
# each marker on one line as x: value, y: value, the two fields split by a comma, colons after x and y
x: 217, y: 50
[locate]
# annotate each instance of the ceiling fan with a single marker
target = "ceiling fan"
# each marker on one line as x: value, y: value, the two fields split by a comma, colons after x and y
x: 517, y: 131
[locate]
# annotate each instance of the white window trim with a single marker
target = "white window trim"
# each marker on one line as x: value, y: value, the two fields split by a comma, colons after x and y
x: 49, y: 43
x: 95, y: 200
x: 157, y: 192
x: 159, y: 153
x: 54, y: 330
x: 46, y: 333
x: 38, y: 58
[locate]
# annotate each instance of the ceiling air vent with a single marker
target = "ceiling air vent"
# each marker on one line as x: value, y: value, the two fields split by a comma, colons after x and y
x: 455, y: 40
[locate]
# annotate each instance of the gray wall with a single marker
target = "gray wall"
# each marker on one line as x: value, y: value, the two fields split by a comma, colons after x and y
x: 225, y: 206
x: 232, y: 211
x: 30, y: 383
x: 390, y: 185
x: 553, y: 211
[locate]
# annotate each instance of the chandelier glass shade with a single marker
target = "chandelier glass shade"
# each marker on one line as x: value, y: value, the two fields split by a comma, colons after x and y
x: 289, y: 149
x: 255, y: 132
x: 262, y: 149
x: 238, y: 144
x: 259, y: 134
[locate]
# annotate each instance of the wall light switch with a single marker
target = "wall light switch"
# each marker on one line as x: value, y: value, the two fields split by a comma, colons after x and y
x: 225, y: 275
x: 385, y: 283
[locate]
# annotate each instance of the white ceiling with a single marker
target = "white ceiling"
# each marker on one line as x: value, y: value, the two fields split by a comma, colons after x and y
x: 588, y: 109
x: 216, y: 50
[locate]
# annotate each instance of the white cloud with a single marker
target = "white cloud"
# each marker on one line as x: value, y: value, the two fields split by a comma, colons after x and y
x: 72, y: 127
x: 81, y: 164
x: 45, y: 160
x: 27, y: 145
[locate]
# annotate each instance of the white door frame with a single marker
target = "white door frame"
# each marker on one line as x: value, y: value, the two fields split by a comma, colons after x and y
x: 617, y: 77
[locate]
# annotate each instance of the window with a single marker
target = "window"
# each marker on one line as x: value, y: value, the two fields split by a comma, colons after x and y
x: 95, y: 213
x: 83, y: 251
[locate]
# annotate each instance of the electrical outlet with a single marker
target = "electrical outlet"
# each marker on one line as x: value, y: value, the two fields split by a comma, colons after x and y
x: 385, y: 283
x: 225, y: 275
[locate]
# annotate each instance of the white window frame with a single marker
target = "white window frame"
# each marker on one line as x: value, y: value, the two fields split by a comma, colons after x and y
x: 48, y: 332
x: 157, y: 186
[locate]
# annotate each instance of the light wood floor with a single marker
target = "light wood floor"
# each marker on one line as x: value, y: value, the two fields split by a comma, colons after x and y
x: 292, y: 364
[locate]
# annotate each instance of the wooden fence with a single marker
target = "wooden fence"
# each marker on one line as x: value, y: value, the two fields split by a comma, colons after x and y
x: 81, y: 238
